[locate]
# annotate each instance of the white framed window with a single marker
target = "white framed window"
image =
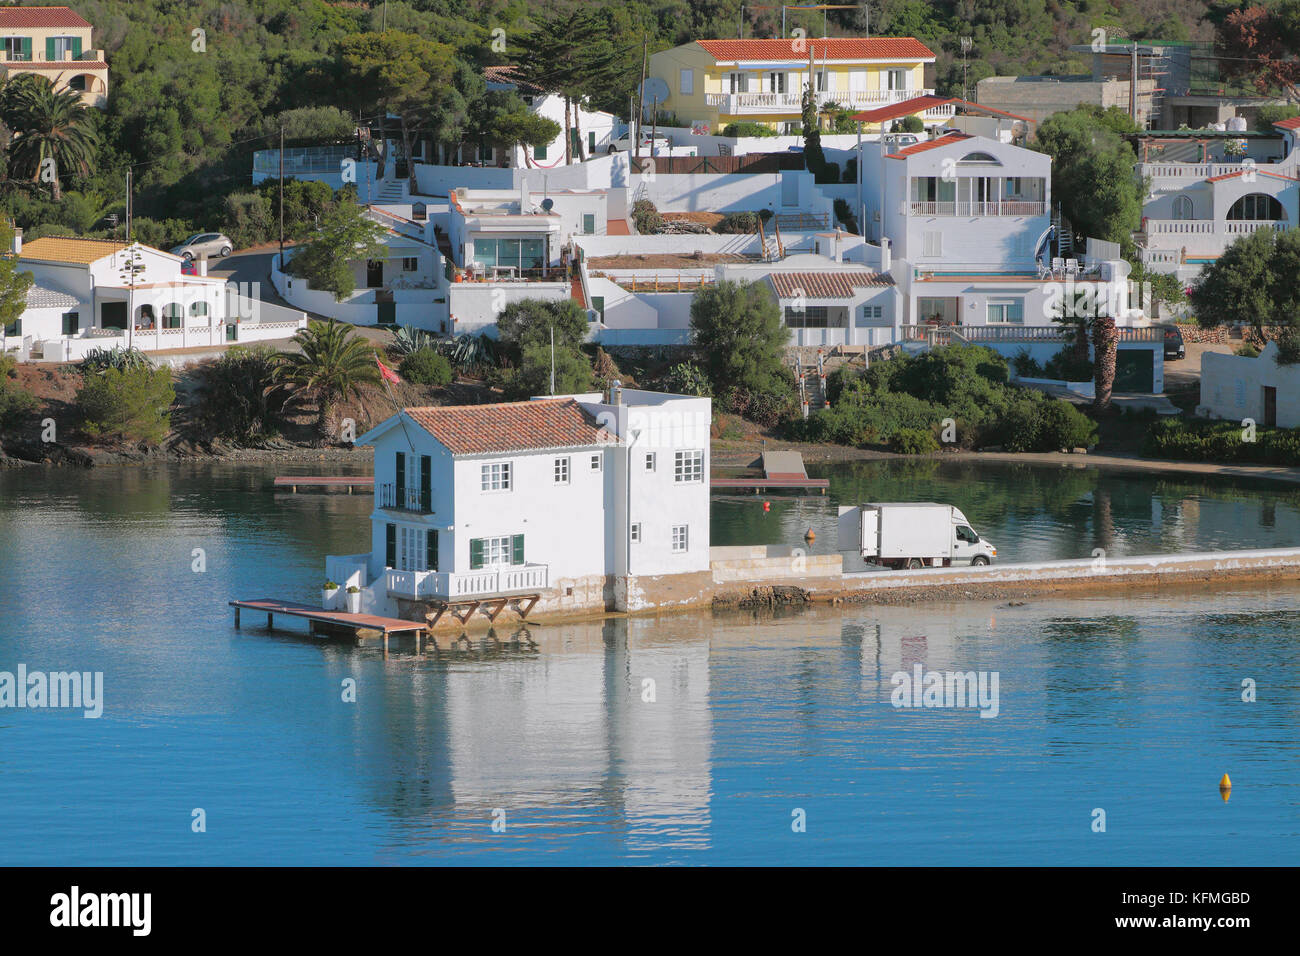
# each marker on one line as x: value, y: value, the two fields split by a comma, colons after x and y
x: 650, y: 458
x: 776, y: 82
x: 595, y: 462
x: 1182, y: 207
x: 681, y: 538
x: 636, y: 531
x: 688, y: 465
x: 561, y: 471
x: 410, y: 264
x: 495, y: 476
x: 686, y: 82
x: 931, y: 244
x: 496, y: 551
x: 1006, y: 311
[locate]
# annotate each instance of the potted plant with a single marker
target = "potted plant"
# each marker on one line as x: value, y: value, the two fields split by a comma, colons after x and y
x: 354, y: 599
x: 328, y: 591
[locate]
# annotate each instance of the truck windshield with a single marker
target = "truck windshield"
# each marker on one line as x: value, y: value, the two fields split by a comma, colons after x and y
x: 966, y: 534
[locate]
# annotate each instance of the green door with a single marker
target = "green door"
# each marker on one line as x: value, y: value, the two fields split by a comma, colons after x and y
x: 112, y: 315
x: 1135, y: 370
x: 387, y: 313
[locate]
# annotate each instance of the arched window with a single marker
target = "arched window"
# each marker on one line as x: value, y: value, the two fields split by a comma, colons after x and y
x: 78, y: 82
x: 978, y: 159
x: 198, y: 309
x: 1256, y: 206
x: 1182, y: 207
x: 173, y: 312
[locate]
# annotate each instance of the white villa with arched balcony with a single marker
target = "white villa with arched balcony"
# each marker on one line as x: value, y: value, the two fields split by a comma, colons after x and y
x: 53, y: 42
x: 104, y: 293
x: 1207, y: 188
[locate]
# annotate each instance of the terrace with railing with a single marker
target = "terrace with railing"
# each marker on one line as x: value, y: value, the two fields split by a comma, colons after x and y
x: 1006, y: 208
x: 415, y: 500
x: 938, y: 335
x: 452, y: 585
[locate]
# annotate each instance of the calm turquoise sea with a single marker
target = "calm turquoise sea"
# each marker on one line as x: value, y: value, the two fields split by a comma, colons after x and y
x: 689, y: 738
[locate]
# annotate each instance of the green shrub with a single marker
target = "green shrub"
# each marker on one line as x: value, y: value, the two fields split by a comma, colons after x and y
x: 913, y: 441
x: 1064, y: 366
x: 766, y: 408
x: 1247, y: 350
x: 748, y: 128
x: 239, y: 397
x: 1026, y: 365
x: 131, y: 404
x: 16, y: 403
x: 1200, y: 440
x: 737, y: 223
x: 646, y: 217
x: 910, y: 124
x: 844, y: 214
x: 684, y: 378
x: 426, y: 367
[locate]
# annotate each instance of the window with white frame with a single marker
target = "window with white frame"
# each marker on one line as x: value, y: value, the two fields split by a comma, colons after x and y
x: 650, y: 461
x: 561, y: 471
x: 1006, y: 311
x: 636, y: 531
x: 595, y: 462
x: 688, y: 465
x: 931, y: 244
x: 681, y: 538
x: 496, y: 551
x: 686, y: 82
x: 410, y: 264
x: 496, y: 476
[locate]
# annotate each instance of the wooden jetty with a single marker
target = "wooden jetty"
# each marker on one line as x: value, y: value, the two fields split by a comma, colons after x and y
x: 294, y: 482
x: 781, y: 469
x: 362, y: 625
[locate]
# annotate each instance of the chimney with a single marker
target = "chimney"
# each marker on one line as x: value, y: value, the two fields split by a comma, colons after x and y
x: 886, y: 254
x: 616, y: 392
x: 16, y: 247
x: 203, y: 265
x: 835, y: 247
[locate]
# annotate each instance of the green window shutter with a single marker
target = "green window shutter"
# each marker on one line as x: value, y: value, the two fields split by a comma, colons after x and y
x: 76, y: 48
x: 401, y: 477
x: 71, y: 323
x: 426, y: 483
x: 49, y: 48
x: 539, y: 152
x: 475, y: 553
x: 26, y: 48
x: 390, y: 546
x: 517, y: 549
x: 431, y: 550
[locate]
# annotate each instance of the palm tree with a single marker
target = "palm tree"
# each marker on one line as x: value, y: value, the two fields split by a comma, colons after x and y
x: 331, y: 367
x: 53, y: 130
x: 1104, y: 339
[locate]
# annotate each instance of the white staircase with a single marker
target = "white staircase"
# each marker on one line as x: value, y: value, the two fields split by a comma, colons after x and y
x: 391, y: 191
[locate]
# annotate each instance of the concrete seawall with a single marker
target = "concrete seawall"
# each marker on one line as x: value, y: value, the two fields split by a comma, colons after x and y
x: 1081, y: 576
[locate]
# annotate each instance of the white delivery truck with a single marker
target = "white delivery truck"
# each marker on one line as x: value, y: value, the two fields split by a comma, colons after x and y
x: 911, y: 535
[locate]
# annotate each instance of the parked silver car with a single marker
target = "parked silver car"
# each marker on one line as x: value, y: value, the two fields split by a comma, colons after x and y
x: 214, y: 245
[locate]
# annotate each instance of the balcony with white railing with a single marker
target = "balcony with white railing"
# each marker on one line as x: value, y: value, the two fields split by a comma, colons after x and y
x: 936, y: 335
x: 467, y: 585
x: 1203, y: 236
x: 736, y: 104
x: 972, y: 209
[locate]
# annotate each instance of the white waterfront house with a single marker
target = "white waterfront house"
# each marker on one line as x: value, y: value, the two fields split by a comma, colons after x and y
x: 588, y: 502
x: 101, y: 293
x: 1208, y: 188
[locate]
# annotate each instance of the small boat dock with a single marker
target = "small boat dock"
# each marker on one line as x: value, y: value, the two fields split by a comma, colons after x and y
x: 292, y: 483
x: 781, y: 469
x: 361, y: 625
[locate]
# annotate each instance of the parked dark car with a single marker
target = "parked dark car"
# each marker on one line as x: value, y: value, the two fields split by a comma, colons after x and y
x: 1174, y: 348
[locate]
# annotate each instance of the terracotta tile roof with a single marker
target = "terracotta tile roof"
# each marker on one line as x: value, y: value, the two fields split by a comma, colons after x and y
x: 40, y: 17
x: 56, y: 64
x: 920, y: 104
x: 826, y: 285
x: 506, y: 74
x: 1257, y: 172
x: 946, y: 140
x: 70, y: 249
x: 511, y: 426
x: 1293, y: 123
x: 835, y: 48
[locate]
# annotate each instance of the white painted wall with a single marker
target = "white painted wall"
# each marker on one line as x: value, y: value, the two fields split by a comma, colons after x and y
x: 1232, y: 387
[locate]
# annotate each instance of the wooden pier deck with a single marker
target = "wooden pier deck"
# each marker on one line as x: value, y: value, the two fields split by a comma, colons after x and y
x: 357, y: 623
x: 781, y: 469
x: 294, y: 482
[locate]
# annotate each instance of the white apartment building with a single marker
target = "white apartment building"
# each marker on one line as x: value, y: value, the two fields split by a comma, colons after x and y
x: 589, y: 502
x: 592, y: 133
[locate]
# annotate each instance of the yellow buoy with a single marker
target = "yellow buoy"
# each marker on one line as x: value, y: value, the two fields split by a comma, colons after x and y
x: 1225, y: 788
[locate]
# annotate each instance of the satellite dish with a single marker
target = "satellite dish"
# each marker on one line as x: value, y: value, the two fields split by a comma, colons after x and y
x: 548, y: 204
x: 654, y: 90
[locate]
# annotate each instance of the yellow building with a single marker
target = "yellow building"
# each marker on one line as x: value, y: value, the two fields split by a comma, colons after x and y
x: 716, y: 82
x: 53, y: 42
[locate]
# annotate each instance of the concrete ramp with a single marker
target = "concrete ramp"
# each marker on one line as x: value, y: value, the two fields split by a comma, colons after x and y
x: 784, y: 464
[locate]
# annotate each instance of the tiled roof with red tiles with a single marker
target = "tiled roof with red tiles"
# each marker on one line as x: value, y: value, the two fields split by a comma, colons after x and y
x: 507, y: 74
x: 1293, y: 123
x: 920, y: 104
x: 834, y: 48
x: 1252, y: 171
x: 826, y: 285
x: 511, y: 426
x: 945, y: 140
x: 25, y: 17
